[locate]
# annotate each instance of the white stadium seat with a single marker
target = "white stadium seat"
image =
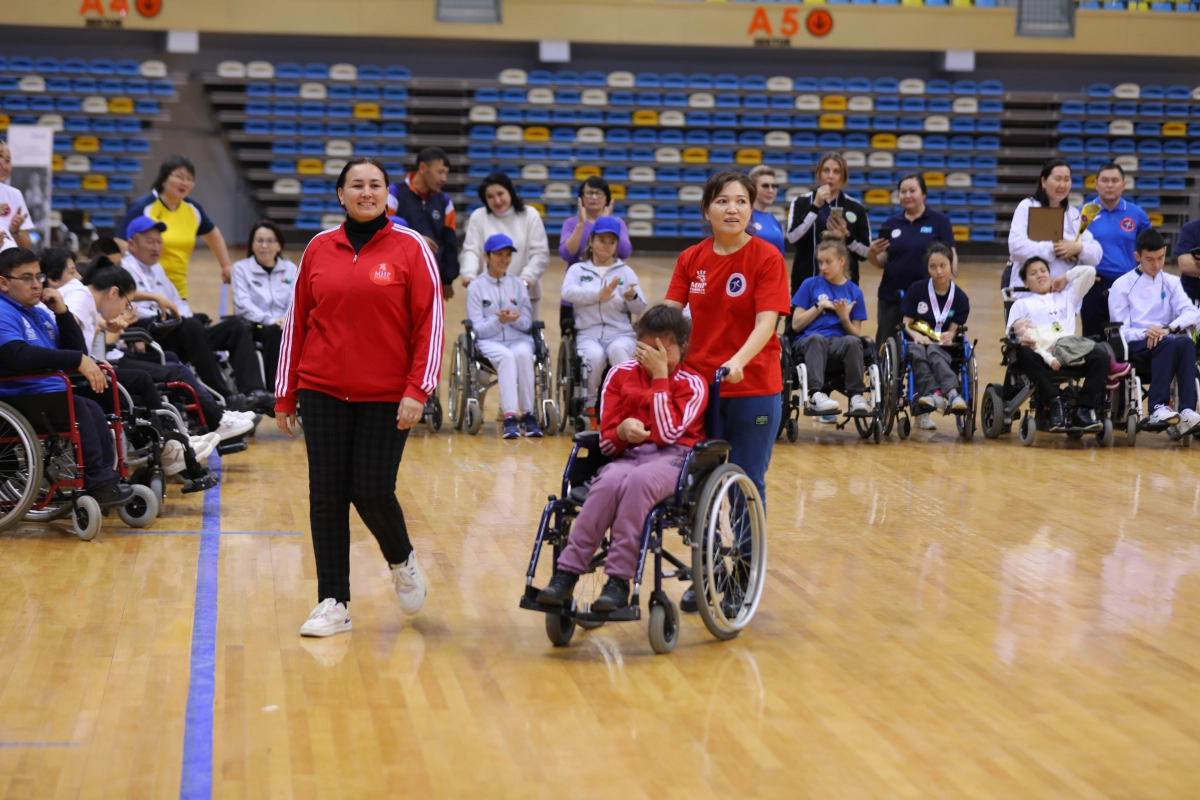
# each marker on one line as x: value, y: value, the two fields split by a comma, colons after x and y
x: 260, y: 70
x: 514, y: 77
x: 232, y: 70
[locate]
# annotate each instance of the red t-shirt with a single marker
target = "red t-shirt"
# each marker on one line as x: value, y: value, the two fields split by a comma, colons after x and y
x: 725, y: 293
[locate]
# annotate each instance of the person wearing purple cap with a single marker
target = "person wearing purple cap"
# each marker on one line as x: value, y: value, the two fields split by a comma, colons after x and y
x: 501, y: 314
x: 604, y: 292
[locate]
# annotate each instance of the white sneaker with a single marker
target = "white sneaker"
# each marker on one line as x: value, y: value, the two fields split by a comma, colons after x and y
x: 926, y: 423
x: 1163, y: 415
x: 326, y: 619
x: 822, y: 402
x: 172, y: 458
x: 858, y: 405
x: 1188, y: 419
x: 203, y: 446
x: 231, y: 427
x: 410, y: 585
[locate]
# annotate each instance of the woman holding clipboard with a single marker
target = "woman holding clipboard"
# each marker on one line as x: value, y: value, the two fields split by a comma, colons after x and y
x: 1025, y: 234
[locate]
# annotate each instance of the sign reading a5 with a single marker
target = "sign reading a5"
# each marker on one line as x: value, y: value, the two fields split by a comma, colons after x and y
x: 819, y: 23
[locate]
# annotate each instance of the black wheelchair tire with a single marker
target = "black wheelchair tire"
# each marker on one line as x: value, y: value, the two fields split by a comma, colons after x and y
x: 1131, y: 429
x: 793, y: 430
x: 1028, y: 430
x: 991, y: 412
x: 1105, y: 437
x: 26, y: 439
x: 663, y: 627
x: 892, y: 370
x: 712, y: 483
x: 559, y: 629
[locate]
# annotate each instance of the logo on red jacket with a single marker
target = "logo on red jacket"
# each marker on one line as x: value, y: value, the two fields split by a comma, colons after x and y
x: 1127, y: 224
x: 736, y: 285
x: 383, y: 274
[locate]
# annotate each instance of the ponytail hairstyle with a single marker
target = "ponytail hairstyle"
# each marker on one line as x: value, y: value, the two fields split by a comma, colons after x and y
x: 103, y: 275
x: 938, y: 248
x: 831, y: 241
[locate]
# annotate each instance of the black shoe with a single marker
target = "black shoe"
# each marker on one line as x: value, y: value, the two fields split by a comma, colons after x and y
x: 614, y: 595
x: 236, y: 402
x: 260, y: 398
x: 558, y: 591
x: 687, y: 603
x: 1058, y: 415
x: 1085, y: 418
x: 110, y: 493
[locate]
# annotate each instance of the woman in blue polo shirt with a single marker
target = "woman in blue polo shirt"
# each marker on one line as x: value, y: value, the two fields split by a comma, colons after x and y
x: 762, y: 222
x: 900, y: 251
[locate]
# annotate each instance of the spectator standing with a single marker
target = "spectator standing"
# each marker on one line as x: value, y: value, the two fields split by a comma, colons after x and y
x: 1116, y: 228
x: 762, y: 222
x: 429, y: 211
x: 827, y: 208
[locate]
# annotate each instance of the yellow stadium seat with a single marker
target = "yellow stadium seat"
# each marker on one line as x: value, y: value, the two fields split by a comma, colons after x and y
x: 4, y: 122
x: 695, y: 155
x: 831, y: 122
x: 537, y: 133
x: 94, y: 183
x: 877, y: 197
x: 366, y: 110
x: 618, y: 191
x: 1089, y: 182
x: 961, y: 233
x: 645, y: 118
x: 538, y: 207
x: 1174, y: 129
x: 583, y: 173
x: 748, y: 157
x: 1156, y: 219
x: 935, y: 178
x: 833, y: 102
x: 963, y: 3
x: 87, y: 144
x: 884, y: 141
x: 310, y: 166
x: 912, y: 3
x: 56, y: 163
x: 120, y: 105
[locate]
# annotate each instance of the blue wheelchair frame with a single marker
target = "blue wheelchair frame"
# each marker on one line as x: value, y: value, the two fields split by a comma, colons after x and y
x: 968, y: 376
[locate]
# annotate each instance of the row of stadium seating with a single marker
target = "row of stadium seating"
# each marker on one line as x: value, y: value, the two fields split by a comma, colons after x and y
x: 151, y: 68
x: 265, y: 70
x: 36, y: 84
x: 805, y: 101
x: 622, y: 79
x: 75, y: 105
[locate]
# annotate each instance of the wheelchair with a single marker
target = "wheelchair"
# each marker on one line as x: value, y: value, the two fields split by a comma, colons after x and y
x: 900, y: 396
x: 431, y: 415
x: 471, y: 375
x: 572, y: 379
x: 41, y: 466
x: 717, y: 510
x: 796, y: 389
x: 1000, y: 405
x: 1129, y: 401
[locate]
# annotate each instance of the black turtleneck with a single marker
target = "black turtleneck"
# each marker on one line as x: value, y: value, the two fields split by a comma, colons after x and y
x: 359, y: 233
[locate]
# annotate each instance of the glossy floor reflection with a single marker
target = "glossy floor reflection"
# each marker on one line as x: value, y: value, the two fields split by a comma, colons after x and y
x: 941, y: 619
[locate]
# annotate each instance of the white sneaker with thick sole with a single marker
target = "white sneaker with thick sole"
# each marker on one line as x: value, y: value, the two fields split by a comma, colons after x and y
x: 172, y: 458
x: 231, y: 427
x: 926, y: 423
x: 823, y: 403
x: 410, y: 585
x: 1163, y: 415
x: 858, y: 405
x: 1188, y: 419
x: 203, y: 446
x: 327, y: 619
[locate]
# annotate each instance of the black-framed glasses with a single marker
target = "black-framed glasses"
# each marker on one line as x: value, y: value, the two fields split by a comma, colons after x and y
x: 770, y: 187
x: 38, y: 279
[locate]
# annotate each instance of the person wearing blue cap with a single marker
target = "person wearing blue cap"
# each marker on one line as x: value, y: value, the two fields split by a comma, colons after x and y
x: 604, y: 292
x: 501, y: 313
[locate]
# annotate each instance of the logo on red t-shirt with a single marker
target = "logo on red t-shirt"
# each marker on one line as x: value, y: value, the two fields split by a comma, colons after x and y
x: 699, y: 284
x: 383, y: 274
x: 1127, y: 224
x: 736, y: 285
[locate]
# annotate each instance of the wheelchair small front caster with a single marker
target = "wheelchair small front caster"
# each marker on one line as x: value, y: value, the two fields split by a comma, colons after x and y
x: 1028, y: 430
x: 664, y: 626
x: 559, y: 629
x: 85, y: 518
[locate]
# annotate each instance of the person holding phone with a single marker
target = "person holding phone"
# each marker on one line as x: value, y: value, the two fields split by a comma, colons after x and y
x: 827, y: 208
x: 900, y: 251
x: 1054, y: 186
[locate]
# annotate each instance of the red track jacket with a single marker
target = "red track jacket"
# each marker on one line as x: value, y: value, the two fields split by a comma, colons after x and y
x: 672, y: 408
x: 365, y: 328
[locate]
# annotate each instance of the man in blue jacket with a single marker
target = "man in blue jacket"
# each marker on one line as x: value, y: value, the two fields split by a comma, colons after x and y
x: 33, y: 340
x: 429, y: 211
x: 1116, y: 228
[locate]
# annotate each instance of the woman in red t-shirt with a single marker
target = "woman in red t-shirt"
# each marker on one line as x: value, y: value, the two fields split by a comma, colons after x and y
x: 737, y: 287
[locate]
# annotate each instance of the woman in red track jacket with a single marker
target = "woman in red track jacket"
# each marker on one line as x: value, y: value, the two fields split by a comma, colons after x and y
x: 361, y: 352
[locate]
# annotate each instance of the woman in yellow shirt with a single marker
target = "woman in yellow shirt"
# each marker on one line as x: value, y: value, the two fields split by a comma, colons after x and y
x: 185, y: 219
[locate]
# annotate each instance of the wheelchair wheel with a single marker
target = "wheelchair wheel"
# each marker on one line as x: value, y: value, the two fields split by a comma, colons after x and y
x: 904, y: 427
x: 142, y: 508
x: 889, y: 369
x: 793, y: 430
x: 877, y: 431
x: 433, y: 420
x: 1106, y: 436
x: 549, y: 421
x: 559, y: 629
x: 664, y: 626
x: 158, y: 485
x: 566, y: 387
x: 474, y: 418
x: 991, y: 412
x: 457, y: 389
x: 1028, y: 430
x: 85, y: 518
x: 966, y: 420
x: 20, y: 467
x: 1131, y: 429
x: 863, y: 426
x: 728, y: 580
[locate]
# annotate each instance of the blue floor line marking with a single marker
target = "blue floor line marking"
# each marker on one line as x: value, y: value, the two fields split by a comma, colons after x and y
x: 196, y: 779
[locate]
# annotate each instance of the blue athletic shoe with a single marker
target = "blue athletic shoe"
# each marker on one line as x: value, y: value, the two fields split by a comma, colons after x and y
x: 530, y: 426
x: 511, y: 430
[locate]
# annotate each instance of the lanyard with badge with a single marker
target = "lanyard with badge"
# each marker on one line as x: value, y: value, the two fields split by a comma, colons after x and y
x: 940, y: 315
x: 1050, y: 303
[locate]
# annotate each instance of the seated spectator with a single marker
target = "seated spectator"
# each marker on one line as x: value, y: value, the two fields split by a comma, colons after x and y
x: 191, y: 340
x: 1155, y: 314
x: 828, y: 317
x: 263, y: 284
x: 33, y: 340
x: 501, y: 313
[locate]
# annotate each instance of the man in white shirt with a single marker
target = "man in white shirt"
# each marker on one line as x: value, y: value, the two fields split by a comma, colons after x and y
x: 191, y: 339
x: 1155, y: 314
x: 15, y: 223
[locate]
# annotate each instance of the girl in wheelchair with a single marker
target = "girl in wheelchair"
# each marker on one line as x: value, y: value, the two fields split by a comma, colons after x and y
x: 501, y: 313
x: 828, y: 316
x: 652, y: 415
x: 604, y: 292
x: 943, y: 307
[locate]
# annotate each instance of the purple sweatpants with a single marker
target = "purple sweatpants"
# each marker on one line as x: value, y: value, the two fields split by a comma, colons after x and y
x: 622, y: 494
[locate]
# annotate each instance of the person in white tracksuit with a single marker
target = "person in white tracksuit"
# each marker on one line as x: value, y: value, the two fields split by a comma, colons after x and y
x: 604, y: 291
x: 501, y: 313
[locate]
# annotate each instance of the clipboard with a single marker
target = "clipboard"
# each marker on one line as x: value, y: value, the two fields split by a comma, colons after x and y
x: 1046, y: 224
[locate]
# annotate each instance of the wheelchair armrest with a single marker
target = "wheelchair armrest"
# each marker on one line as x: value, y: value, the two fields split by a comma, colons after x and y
x: 136, y: 335
x: 718, y: 446
x: 467, y: 324
x: 588, y: 439
x: 1112, y: 335
x: 868, y: 343
x: 538, y: 325
x: 159, y: 327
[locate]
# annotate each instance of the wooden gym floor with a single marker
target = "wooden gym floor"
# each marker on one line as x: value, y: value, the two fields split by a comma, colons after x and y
x: 942, y: 619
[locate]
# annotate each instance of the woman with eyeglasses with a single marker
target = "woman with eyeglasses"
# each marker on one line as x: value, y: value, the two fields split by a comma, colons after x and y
x: 169, y: 202
x: 595, y: 201
x: 762, y: 222
x: 263, y: 284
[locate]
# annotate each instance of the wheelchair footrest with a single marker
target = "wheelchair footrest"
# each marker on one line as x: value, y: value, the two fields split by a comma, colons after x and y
x: 205, y: 482
x: 232, y: 446
x: 627, y: 614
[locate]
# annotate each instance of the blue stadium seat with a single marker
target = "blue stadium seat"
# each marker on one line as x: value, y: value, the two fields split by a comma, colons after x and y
x: 614, y: 154
x: 885, y: 124
x: 396, y: 74
x: 360, y: 93
x: 857, y: 140
x: 1073, y: 107
x: 727, y: 82
x: 366, y: 130
x: 700, y: 80
x: 645, y: 136
x: 1176, y: 165
x: 940, y: 105
x: 887, y: 103
x: 832, y: 85
x: 1174, y: 184
x: 830, y: 140
x: 616, y: 173
x: 937, y: 87
x: 139, y: 106
x: 566, y: 77
x: 962, y: 125
x: 479, y: 151
x: 984, y: 180
x: 482, y: 133
x: 885, y: 86
x: 98, y: 66
x: 647, y: 80
x: 672, y: 136
x: 804, y: 122
x: 755, y: 101
x: 258, y: 89
x: 1148, y: 183
x: 959, y: 217
x: 288, y: 90
x: 1150, y: 165
x: 936, y: 142
x: 757, y: 83
x: 54, y: 85
x: 593, y: 78
x: 534, y: 153
x: 912, y: 104
x: 1150, y: 147
x: 907, y: 160
x: 1099, y: 90
x: 991, y: 88
x: 963, y: 87
x: 393, y: 150
x: 537, y: 115
x: 1175, y: 147
x: 806, y: 84
x: 312, y: 147
x: 1095, y: 127
x: 858, y: 85
x: 316, y: 72
x: 803, y: 139
x: 312, y: 128
x: 1177, y: 110
x: 73, y: 66
x: 540, y: 77
x: 1151, y: 109
x: 487, y: 95
x: 1149, y: 201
